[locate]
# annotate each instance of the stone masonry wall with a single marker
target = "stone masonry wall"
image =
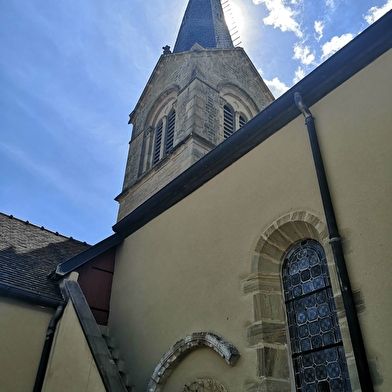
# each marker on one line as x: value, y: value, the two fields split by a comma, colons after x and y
x: 190, y: 82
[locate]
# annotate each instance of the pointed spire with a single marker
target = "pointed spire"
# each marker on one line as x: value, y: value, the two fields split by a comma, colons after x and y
x: 203, y: 23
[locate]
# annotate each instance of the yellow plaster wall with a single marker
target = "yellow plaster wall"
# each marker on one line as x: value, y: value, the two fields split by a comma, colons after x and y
x: 182, y: 272
x: 71, y: 366
x: 22, y: 336
x: 354, y: 127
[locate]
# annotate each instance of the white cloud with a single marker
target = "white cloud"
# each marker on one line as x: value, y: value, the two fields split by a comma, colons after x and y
x: 276, y: 86
x: 299, y: 74
x: 319, y: 28
x: 375, y: 13
x: 336, y: 43
x: 280, y: 16
x: 331, y: 4
x: 303, y: 54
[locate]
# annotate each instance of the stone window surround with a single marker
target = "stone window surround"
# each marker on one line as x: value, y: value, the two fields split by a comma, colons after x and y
x: 163, y: 124
x: 160, y: 111
x: 239, y: 101
x: 233, y: 105
x: 268, y: 334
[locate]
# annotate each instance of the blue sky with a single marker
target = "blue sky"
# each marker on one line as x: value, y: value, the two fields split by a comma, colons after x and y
x: 71, y: 72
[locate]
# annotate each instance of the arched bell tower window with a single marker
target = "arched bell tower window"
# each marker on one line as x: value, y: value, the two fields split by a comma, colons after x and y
x: 236, y: 109
x: 232, y: 121
x: 164, y: 137
x: 158, y: 142
x: 171, y: 121
x: 241, y: 121
x: 228, y: 121
x: 316, y: 343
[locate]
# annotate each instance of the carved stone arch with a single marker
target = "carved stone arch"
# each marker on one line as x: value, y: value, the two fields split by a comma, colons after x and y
x: 184, y: 347
x: 156, y: 122
x: 162, y: 106
x: 268, y: 333
x: 239, y: 99
x: 285, y: 232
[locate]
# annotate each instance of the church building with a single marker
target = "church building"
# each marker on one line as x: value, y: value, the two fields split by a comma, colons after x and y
x: 251, y: 251
x: 196, y: 97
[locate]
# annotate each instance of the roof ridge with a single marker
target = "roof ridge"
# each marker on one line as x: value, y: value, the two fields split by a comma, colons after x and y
x: 27, y: 222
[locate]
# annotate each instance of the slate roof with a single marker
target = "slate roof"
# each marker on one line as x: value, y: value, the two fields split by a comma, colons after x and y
x: 203, y: 23
x: 28, y: 253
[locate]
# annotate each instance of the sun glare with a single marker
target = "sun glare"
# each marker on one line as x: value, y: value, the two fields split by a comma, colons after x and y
x: 234, y: 20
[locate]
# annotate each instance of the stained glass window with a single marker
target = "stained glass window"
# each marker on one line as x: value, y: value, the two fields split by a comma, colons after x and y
x: 316, y: 343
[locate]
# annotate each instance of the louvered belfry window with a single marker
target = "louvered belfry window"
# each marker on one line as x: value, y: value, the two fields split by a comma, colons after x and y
x: 164, y: 137
x: 316, y: 343
x: 171, y: 120
x: 158, y: 143
x: 241, y: 121
x: 228, y: 121
x: 230, y: 124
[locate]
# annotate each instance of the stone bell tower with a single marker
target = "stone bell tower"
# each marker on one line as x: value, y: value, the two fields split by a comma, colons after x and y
x: 196, y: 97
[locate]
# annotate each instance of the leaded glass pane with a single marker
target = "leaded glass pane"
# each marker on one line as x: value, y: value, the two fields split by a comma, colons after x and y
x: 317, y: 349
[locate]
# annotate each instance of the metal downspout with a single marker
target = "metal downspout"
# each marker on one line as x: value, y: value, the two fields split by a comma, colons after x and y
x: 39, y: 380
x: 336, y: 244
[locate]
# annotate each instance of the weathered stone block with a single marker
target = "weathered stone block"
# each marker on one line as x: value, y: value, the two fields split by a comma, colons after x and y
x: 272, y: 251
x: 267, y: 332
x: 273, y: 363
x: 268, y: 306
x: 289, y: 231
x: 270, y: 386
x: 267, y: 283
x: 204, y: 385
x: 267, y: 265
x: 280, y: 240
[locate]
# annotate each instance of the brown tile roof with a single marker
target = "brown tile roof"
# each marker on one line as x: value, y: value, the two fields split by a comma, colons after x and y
x: 28, y: 253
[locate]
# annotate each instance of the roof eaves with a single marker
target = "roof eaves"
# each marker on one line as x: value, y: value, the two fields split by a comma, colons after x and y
x: 11, y: 291
x: 70, y: 265
x: 344, y: 64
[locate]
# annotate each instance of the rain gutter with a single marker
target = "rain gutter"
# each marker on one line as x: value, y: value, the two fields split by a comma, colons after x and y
x: 8, y: 290
x: 43, y: 364
x: 336, y: 243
